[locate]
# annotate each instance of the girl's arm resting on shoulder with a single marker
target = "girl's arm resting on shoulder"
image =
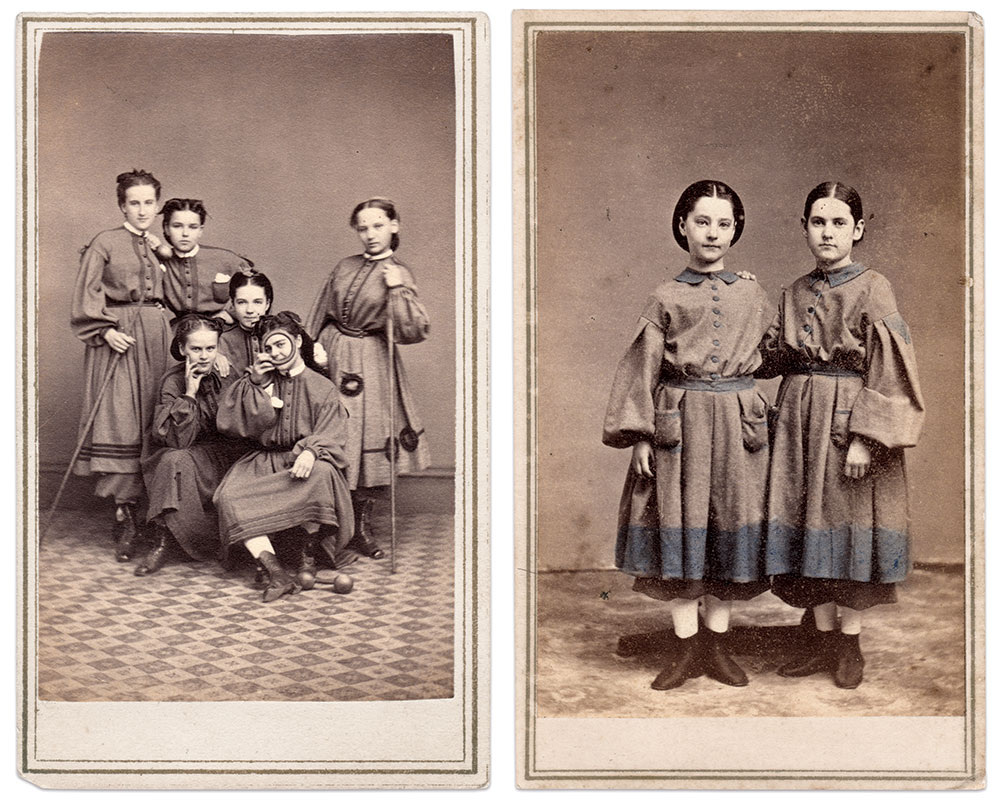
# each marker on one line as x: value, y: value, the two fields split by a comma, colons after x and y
x: 245, y: 410
x: 630, y: 415
x: 890, y: 407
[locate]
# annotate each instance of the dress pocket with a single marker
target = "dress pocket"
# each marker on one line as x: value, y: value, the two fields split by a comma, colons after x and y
x: 753, y: 419
x: 844, y: 397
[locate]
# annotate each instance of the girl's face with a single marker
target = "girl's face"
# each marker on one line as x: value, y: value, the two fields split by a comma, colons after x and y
x: 283, y: 349
x: 249, y: 305
x: 139, y: 207
x: 200, y: 349
x: 375, y: 230
x: 831, y: 232
x: 184, y: 229
x: 709, y: 228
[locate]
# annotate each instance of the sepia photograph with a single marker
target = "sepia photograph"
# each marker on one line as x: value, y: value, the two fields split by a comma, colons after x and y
x: 749, y: 405
x: 253, y: 423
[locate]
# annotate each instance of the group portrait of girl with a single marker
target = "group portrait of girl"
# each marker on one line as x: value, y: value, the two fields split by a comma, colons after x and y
x: 728, y: 496
x: 213, y: 419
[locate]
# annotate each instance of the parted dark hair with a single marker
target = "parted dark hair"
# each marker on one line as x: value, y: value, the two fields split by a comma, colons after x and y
x: 842, y: 192
x: 707, y: 189
x: 186, y: 326
x: 181, y: 205
x: 290, y: 323
x: 255, y: 279
x: 136, y: 178
x: 386, y: 206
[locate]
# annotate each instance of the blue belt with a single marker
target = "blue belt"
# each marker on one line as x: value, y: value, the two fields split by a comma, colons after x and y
x: 728, y: 385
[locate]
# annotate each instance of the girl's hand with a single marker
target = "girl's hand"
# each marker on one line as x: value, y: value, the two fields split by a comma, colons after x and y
x: 642, y: 459
x: 320, y: 355
x: 225, y: 317
x: 746, y: 274
x: 261, y: 367
x: 222, y: 365
x: 154, y: 241
x: 192, y: 378
x: 859, y: 458
x: 393, y: 275
x: 118, y: 340
x: 303, y: 465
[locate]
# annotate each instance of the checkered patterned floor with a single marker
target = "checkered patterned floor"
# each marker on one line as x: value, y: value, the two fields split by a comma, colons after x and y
x: 194, y: 632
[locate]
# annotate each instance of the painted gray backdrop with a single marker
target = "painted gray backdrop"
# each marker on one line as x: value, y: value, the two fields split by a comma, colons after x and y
x: 280, y: 136
x: 627, y: 120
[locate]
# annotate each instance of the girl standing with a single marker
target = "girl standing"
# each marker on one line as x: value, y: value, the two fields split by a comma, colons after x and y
x: 182, y: 475
x: 690, y: 524
x: 118, y: 312
x: 849, y: 404
x: 295, y: 478
x: 197, y: 277
x: 349, y: 320
x: 251, y: 296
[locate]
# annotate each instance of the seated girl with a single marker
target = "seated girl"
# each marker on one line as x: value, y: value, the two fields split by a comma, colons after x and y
x: 182, y: 475
x: 295, y: 477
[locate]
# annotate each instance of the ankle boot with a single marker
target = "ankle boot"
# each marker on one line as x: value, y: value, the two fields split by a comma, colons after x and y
x: 718, y: 663
x: 363, y: 541
x: 820, y: 655
x: 849, y: 670
x: 125, y: 532
x: 338, y: 557
x: 682, y: 665
x: 279, y: 581
x: 157, y: 556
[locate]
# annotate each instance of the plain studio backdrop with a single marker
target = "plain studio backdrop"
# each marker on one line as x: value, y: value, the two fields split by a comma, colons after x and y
x: 280, y: 136
x: 626, y: 120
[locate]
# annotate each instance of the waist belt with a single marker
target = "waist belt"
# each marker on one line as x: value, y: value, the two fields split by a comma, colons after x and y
x: 147, y: 302
x: 347, y: 331
x: 728, y: 385
x: 823, y: 369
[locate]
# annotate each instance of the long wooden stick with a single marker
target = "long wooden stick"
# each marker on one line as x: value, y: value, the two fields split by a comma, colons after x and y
x: 390, y: 339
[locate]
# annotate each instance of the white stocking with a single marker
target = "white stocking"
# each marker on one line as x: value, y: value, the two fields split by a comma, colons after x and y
x: 850, y: 621
x: 259, y: 544
x: 717, y: 614
x: 826, y: 616
x: 685, y: 615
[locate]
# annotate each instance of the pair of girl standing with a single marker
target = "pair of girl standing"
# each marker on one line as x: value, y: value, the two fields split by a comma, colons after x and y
x: 693, y: 521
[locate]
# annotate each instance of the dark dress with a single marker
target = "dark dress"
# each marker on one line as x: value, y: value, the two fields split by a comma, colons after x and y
x: 182, y: 475
x: 685, y: 385
x: 849, y: 370
x: 189, y: 283
x: 258, y: 496
x: 239, y: 346
x: 348, y: 320
x: 117, y: 271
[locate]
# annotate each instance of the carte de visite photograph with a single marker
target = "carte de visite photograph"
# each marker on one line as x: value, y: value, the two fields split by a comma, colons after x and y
x: 749, y: 407
x: 253, y: 417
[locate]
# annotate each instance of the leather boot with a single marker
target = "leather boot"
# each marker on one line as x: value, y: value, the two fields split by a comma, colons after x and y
x: 682, y: 665
x: 717, y: 662
x: 125, y: 532
x: 850, y: 665
x: 363, y: 541
x: 279, y: 581
x: 820, y: 655
x: 157, y: 556
x: 338, y: 557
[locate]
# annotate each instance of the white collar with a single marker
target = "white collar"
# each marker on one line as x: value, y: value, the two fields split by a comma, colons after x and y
x: 294, y: 371
x: 377, y: 257
x: 133, y: 229
x: 188, y: 255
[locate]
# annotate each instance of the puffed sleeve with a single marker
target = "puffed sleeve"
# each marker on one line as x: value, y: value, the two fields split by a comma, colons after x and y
x: 630, y: 415
x: 245, y: 410
x: 329, y: 432
x: 409, y: 318
x: 890, y: 408
x: 177, y: 417
x: 321, y: 306
x: 90, y: 317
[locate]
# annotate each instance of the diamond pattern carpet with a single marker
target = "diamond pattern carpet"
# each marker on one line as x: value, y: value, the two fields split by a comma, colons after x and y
x: 196, y: 632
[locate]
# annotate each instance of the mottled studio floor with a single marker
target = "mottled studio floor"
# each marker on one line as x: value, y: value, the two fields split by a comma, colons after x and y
x: 194, y: 632
x: 914, y: 653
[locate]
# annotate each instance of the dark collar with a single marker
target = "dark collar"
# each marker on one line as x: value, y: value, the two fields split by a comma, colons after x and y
x: 689, y: 276
x: 839, y: 276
